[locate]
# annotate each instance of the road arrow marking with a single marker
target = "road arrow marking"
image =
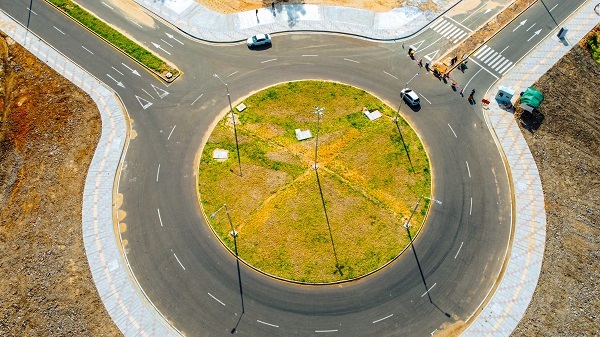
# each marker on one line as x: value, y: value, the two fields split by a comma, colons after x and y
x: 530, y: 27
x: 118, y: 82
x: 157, y: 46
x: 522, y: 23
x: 170, y: 36
x: 144, y: 105
x: 537, y: 32
x: 417, y: 45
x: 132, y: 70
x: 430, y: 56
x: 487, y: 11
x: 160, y: 92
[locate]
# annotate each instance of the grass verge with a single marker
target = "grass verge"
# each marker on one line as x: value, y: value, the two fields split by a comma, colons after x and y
x: 368, y: 183
x: 114, y: 37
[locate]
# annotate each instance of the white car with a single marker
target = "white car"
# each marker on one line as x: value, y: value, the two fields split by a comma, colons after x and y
x: 410, y: 96
x: 258, y: 40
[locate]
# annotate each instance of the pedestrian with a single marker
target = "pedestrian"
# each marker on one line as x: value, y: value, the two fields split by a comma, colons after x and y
x: 427, y: 66
x: 257, y: 12
x: 421, y: 63
x: 472, y: 92
x: 461, y: 92
x: 273, y: 5
x: 402, y: 45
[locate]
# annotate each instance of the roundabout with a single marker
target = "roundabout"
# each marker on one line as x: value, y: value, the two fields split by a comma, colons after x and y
x: 349, y: 223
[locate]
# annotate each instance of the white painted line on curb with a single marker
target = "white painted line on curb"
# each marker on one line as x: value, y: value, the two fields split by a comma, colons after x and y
x: 176, y: 258
x: 428, y: 290
x: 269, y: 60
x: 459, y: 248
x: 170, y: 133
x: 451, y: 129
x: 197, y: 98
x: 269, y: 324
x: 351, y: 60
x: 469, y: 170
x: 390, y: 74
x: 63, y: 33
x: 159, y: 218
x: 381, y: 319
x: 216, y: 299
x: 157, y: 172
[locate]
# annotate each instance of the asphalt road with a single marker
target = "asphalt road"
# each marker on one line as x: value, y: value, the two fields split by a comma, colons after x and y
x: 197, y: 284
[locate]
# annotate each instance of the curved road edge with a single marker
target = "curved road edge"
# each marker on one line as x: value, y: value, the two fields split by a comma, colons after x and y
x: 501, y: 315
x: 131, y: 311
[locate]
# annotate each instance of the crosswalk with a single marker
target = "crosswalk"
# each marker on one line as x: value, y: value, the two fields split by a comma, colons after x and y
x: 492, y: 59
x: 448, y: 30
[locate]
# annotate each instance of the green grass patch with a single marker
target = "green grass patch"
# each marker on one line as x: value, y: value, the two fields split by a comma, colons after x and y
x: 594, y: 45
x: 369, y: 185
x: 113, y: 36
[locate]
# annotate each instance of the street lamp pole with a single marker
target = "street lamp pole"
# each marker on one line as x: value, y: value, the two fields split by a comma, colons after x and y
x: 237, y: 147
x: 319, y: 112
x: 233, y: 232
x: 406, y: 86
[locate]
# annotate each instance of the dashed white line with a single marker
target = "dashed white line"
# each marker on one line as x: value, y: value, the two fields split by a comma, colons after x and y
x: 425, y: 98
x: 458, y: 251
x: 381, y: 319
x: 197, y: 98
x: 147, y: 93
x: 29, y: 9
x: 233, y: 73
x: 469, y: 170
x: 216, y: 299
x: 176, y: 258
x: 325, y: 330
x: 105, y: 4
x: 170, y: 133
x: 63, y: 33
x: 553, y: 8
x: 351, y: 60
x: 167, y: 43
x: 115, y: 69
x: 87, y: 50
x: 157, y: 172
x: 471, y: 207
x: 269, y: 60
x: 137, y: 24
x: 310, y: 55
x: 428, y: 290
x: 530, y: 27
x: 159, y: 218
x: 390, y: 74
x: 452, y: 130
x: 269, y: 324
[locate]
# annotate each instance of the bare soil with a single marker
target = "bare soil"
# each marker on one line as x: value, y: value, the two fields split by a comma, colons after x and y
x: 564, y: 138
x: 49, y: 129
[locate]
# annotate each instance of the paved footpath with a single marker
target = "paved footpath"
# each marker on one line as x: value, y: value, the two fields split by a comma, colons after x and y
x: 130, y: 309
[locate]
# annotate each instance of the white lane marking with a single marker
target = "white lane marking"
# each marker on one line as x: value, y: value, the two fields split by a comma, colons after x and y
x: 167, y: 43
x: 471, y: 207
x: 536, y: 33
x: 381, y: 319
x: 216, y: 299
x: 325, y: 330
x: 160, y: 92
x: 144, y: 105
x: 451, y: 129
x: 530, y: 27
x: 351, y: 60
x: 451, y: 31
x: 105, y: 4
x: 485, y: 54
x: 468, y: 169
x: 63, y: 33
x: 147, y: 93
x: 425, y: 98
x: 459, y: 248
x: 269, y: 324
x: 87, y: 50
x: 269, y: 60
x: 432, y: 43
x: 170, y: 133
x: 115, y: 69
x: 390, y: 74
x: 29, y: 9
x: 428, y: 290
x: 197, y: 98
x: 233, y: 73
x: 310, y: 55
x: 444, y: 24
x: 176, y: 258
x: 553, y: 8
x: 475, y: 11
x: 137, y: 24
x: 159, y: 218
x: 157, y: 172
x: 496, y: 60
x: 458, y: 23
x: 503, y: 50
x: 483, y: 68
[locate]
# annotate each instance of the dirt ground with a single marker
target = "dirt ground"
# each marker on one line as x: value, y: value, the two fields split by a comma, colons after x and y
x: 48, y: 133
x: 564, y: 138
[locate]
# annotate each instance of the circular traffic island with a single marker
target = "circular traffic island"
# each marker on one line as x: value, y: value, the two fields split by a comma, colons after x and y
x: 280, y: 215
